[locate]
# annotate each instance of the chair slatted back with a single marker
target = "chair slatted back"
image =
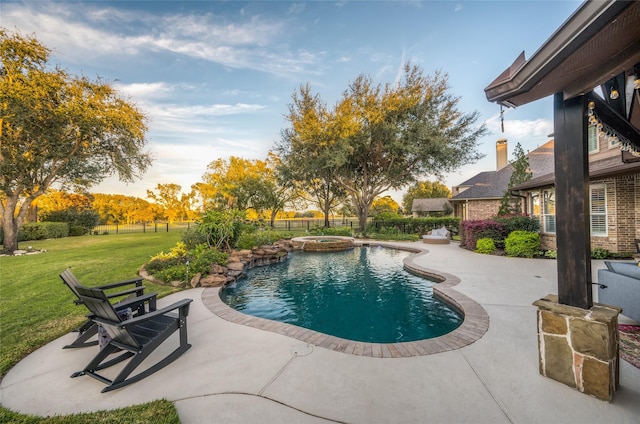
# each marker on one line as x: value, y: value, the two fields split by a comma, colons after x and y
x: 70, y: 280
x: 99, y: 305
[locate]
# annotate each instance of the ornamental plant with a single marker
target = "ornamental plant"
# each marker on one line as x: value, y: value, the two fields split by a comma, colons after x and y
x: 524, y: 244
x: 485, y: 246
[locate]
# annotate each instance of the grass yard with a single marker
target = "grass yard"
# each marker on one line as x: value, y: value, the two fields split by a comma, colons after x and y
x: 36, y: 307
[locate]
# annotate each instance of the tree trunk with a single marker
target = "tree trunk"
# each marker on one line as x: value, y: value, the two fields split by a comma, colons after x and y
x: 325, y: 211
x: 9, y: 227
x: 363, y: 212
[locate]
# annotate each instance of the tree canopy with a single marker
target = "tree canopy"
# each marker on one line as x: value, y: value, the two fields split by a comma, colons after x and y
x: 378, y: 137
x: 57, y: 128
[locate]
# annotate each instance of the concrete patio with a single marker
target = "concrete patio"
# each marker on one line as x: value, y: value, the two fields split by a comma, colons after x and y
x: 238, y: 374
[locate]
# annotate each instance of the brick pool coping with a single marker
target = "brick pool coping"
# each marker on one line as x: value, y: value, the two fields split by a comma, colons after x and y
x: 475, y: 324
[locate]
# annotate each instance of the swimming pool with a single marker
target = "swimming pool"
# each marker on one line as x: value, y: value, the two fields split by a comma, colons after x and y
x: 362, y: 294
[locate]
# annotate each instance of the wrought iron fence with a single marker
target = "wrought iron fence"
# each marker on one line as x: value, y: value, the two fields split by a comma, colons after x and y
x: 154, y: 227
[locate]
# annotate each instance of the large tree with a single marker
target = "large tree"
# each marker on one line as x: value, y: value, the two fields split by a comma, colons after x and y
x: 175, y: 204
x: 299, y: 159
x: 384, y: 137
x: 423, y: 190
x: 58, y: 129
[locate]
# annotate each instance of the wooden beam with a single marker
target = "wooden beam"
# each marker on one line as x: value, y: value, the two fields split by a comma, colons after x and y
x: 572, y: 201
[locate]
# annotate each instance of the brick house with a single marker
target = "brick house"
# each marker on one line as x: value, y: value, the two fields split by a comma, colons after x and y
x: 479, y: 197
x: 614, y: 194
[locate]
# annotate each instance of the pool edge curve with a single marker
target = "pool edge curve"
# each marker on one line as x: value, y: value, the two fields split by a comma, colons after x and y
x: 473, y: 327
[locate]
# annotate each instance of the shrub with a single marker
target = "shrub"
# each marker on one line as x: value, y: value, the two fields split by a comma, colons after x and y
x: 471, y: 231
x: 192, y: 238
x: 172, y: 273
x: 43, y: 230
x: 512, y: 223
x: 201, y: 258
x: 384, y: 216
x: 416, y: 226
x: 524, y: 244
x: 600, y: 253
x: 331, y: 231
x: 247, y: 240
x: 221, y: 228
x: 485, y: 246
x: 77, y: 230
x: 87, y: 218
x: 551, y: 254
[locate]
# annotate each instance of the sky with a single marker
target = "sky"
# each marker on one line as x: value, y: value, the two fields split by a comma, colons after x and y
x: 215, y: 78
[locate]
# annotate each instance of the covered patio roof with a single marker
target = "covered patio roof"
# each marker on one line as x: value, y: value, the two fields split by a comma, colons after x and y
x: 599, y: 45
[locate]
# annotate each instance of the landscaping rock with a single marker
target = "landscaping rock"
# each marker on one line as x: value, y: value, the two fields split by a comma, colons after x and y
x: 213, y: 280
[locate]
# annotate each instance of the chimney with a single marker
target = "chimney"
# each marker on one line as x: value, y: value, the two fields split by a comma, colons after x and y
x: 501, y: 154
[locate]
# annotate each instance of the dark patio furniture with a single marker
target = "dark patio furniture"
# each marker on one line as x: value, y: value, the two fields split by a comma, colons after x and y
x: 139, y: 303
x: 133, y: 339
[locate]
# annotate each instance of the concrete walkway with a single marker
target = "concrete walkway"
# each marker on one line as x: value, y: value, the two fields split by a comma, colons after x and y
x: 239, y: 374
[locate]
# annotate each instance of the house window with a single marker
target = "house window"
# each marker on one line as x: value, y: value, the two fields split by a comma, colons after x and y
x: 549, y: 211
x: 598, y: 205
x: 534, y: 210
x: 592, y: 139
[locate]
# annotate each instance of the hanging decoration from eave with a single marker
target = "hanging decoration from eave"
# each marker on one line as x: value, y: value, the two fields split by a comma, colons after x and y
x: 613, y: 137
x: 614, y: 110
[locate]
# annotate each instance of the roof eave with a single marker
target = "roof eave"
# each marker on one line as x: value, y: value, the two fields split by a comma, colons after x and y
x: 520, y: 78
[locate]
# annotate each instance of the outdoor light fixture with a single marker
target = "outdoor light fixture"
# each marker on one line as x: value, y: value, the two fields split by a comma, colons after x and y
x: 614, y: 93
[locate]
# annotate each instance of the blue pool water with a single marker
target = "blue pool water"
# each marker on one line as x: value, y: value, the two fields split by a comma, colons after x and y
x: 362, y: 294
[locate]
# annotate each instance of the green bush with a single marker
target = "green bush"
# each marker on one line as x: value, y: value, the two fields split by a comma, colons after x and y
x: 512, y: 223
x: 201, y: 258
x: 192, y: 238
x: 84, y: 218
x: 248, y: 240
x: 43, y: 230
x: 551, y: 254
x: 76, y: 230
x: 221, y: 228
x: 331, y: 231
x: 524, y: 244
x: 485, y: 246
x: 172, y: 273
x: 416, y: 226
x: 600, y: 253
x: 393, y: 236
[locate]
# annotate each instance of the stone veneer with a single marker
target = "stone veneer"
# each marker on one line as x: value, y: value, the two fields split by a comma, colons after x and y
x: 579, y: 347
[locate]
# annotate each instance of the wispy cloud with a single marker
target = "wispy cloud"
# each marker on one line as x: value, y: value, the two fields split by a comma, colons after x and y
x: 518, y: 129
x: 82, y: 33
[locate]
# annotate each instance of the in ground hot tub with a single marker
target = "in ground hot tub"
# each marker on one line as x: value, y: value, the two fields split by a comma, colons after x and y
x: 322, y: 243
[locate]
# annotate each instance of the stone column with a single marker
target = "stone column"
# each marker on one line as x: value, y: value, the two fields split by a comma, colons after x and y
x: 579, y: 347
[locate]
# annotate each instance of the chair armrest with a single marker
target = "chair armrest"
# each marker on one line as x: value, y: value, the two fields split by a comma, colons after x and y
x: 138, y: 290
x: 137, y: 281
x: 137, y: 302
x: 183, y: 305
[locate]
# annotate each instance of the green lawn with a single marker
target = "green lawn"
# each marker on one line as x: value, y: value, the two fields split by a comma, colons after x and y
x: 36, y: 307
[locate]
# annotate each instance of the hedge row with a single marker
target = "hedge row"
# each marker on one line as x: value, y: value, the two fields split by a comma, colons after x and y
x: 415, y: 225
x: 40, y: 231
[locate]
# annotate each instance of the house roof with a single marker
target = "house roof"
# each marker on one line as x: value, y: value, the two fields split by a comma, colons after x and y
x: 435, y: 204
x: 492, y: 184
x: 599, y: 169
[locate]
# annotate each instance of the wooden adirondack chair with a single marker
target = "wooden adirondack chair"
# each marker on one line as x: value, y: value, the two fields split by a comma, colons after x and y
x: 139, y: 303
x: 133, y: 339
